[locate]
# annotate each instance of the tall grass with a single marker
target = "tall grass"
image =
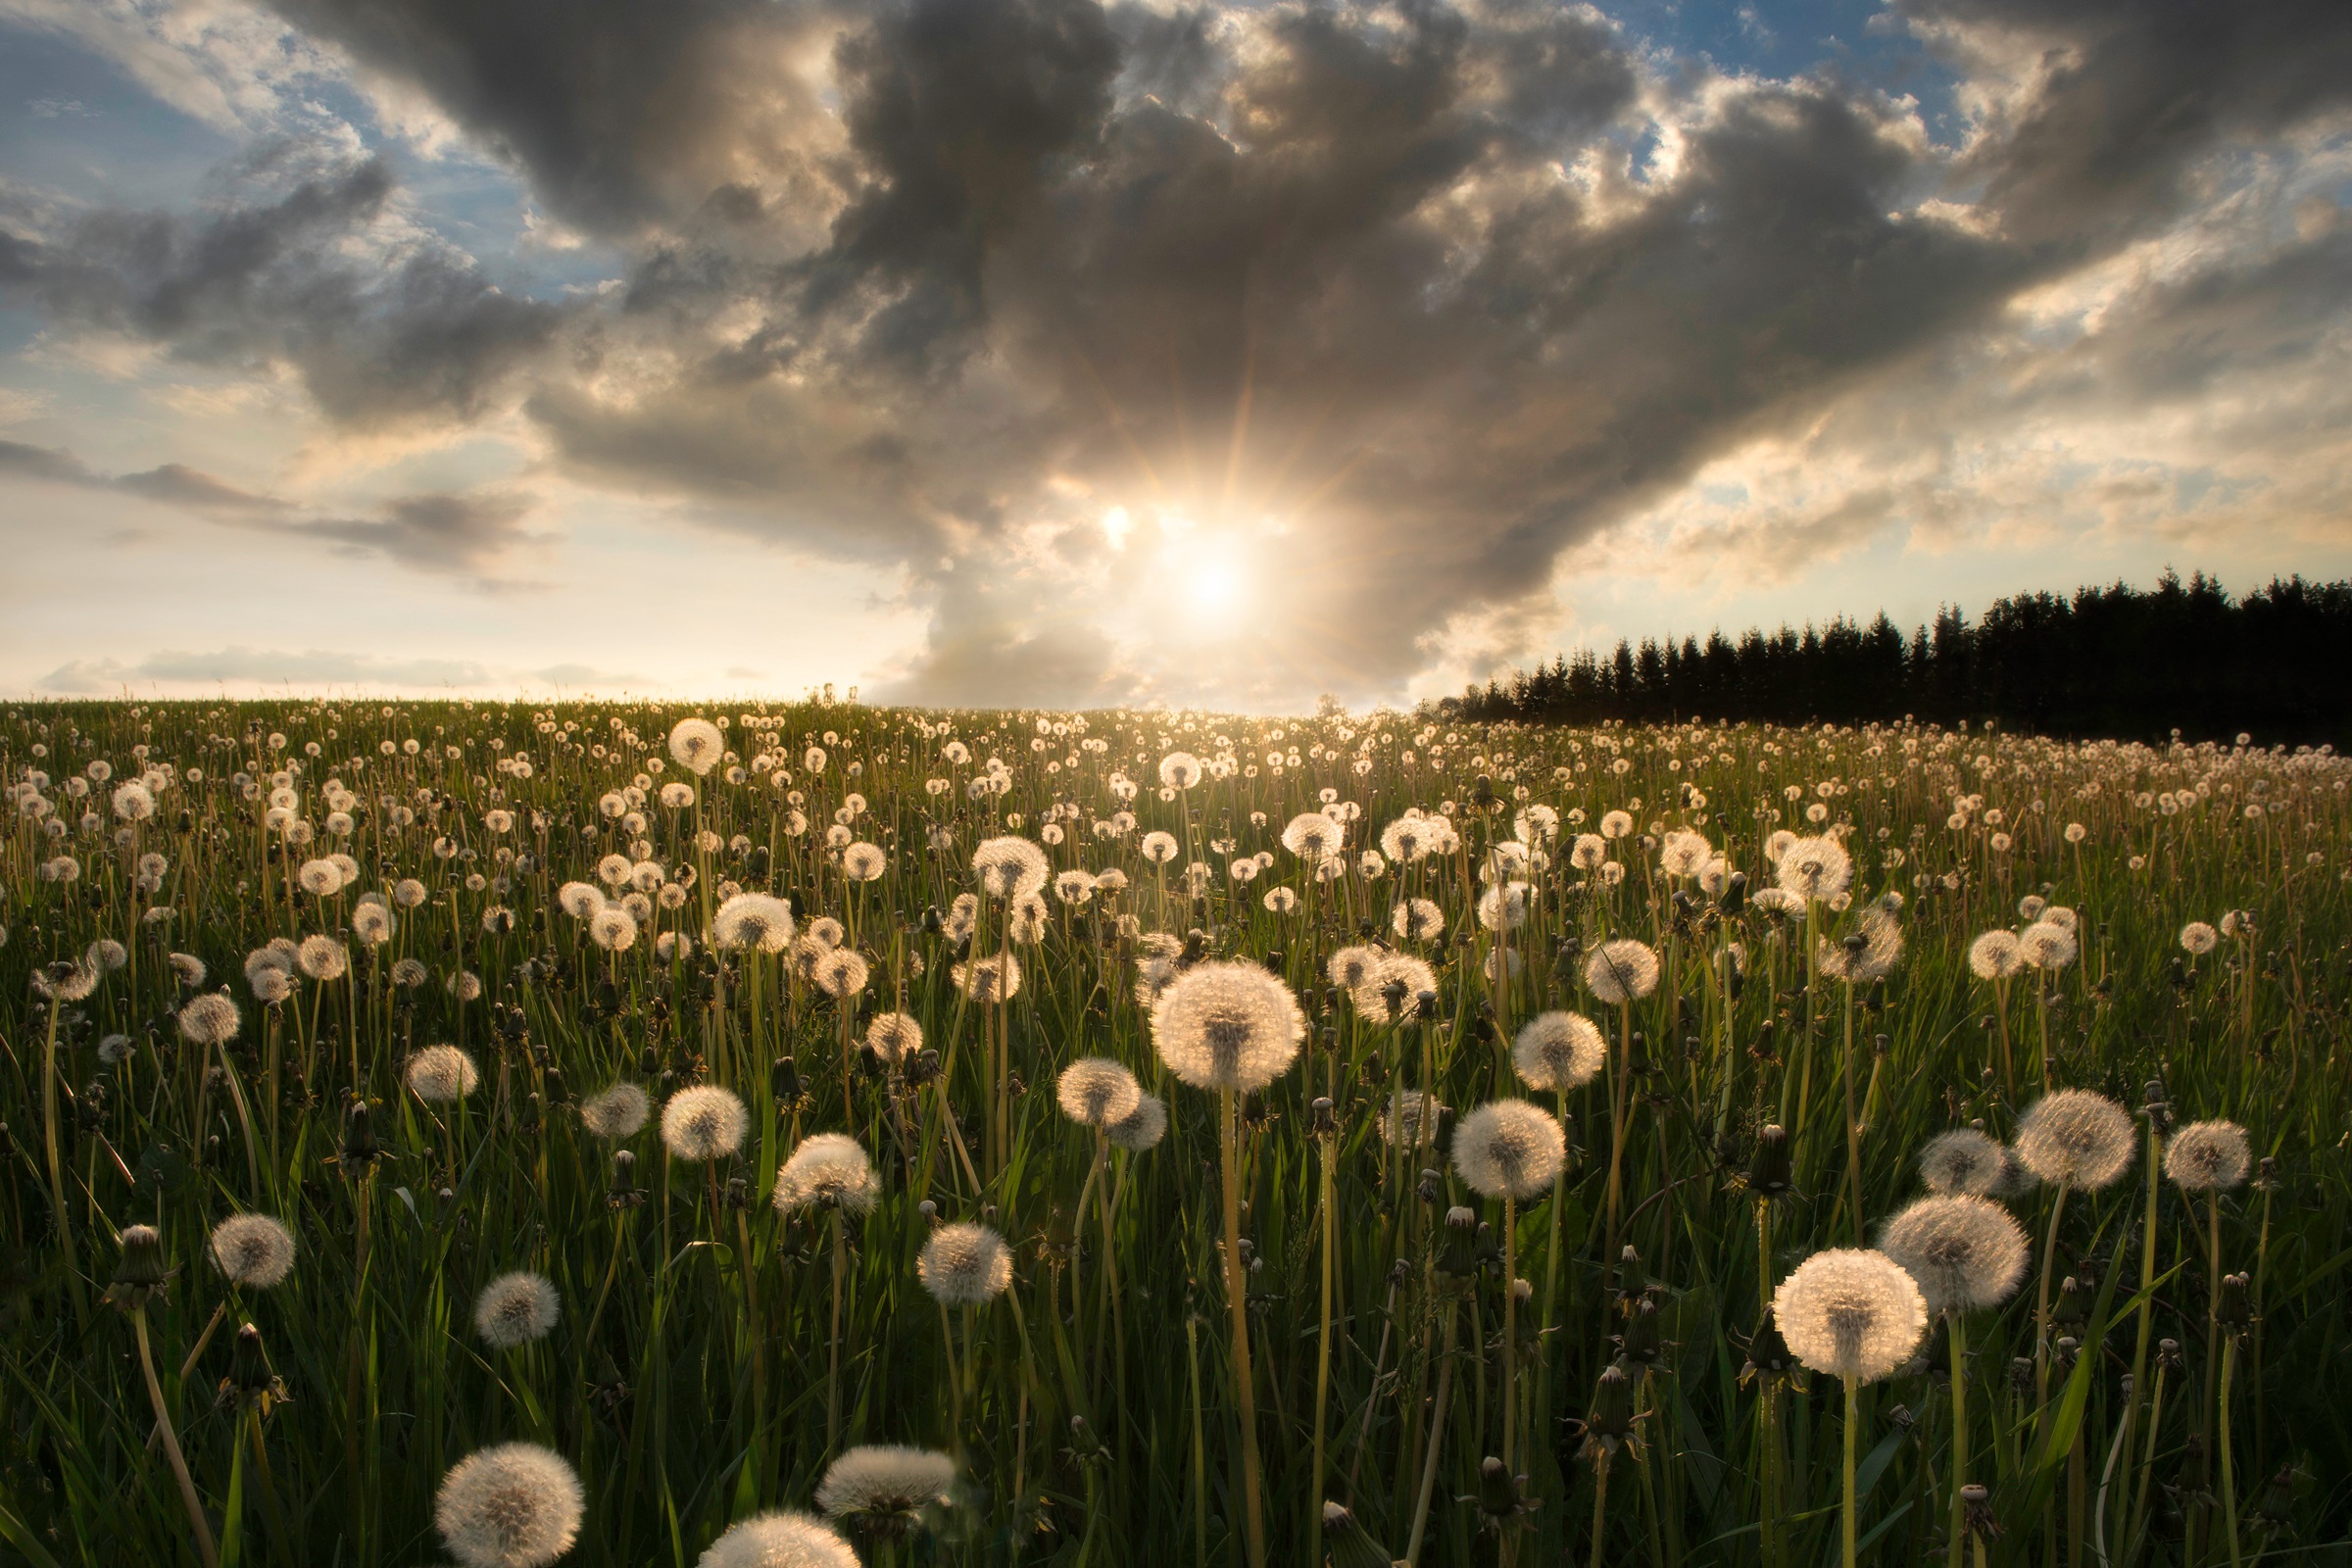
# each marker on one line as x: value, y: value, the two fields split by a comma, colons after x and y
x: 713, y: 1354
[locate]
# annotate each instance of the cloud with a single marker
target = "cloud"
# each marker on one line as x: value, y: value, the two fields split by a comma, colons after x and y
x: 306, y: 271
x: 1386, y: 314
x: 476, y: 536
x: 245, y: 668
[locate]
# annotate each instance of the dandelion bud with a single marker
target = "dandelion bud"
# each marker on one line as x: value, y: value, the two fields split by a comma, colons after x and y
x: 1612, y: 1416
x: 249, y: 1371
x: 2074, y: 1302
x: 1767, y: 1352
x: 1768, y: 1168
x: 1976, y: 1512
x: 359, y: 1148
x: 1640, y: 1344
x: 140, y: 1272
x: 623, y: 1192
x: 1497, y: 1494
x: 2233, y: 1310
x: 1459, y: 1256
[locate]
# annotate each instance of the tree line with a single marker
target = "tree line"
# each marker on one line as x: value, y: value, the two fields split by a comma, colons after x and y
x: 2114, y: 662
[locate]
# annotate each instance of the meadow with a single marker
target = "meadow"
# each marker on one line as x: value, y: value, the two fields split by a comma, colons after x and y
x: 813, y: 1134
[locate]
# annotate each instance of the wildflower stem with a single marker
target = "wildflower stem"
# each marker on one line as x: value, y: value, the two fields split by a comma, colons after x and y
x: 1235, y: 1284
x: 1959, y: 1422
x: 1847, y: 1521
x: 180, y: 1463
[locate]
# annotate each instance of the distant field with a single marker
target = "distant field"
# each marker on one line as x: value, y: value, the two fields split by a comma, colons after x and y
x: 540, y: 1030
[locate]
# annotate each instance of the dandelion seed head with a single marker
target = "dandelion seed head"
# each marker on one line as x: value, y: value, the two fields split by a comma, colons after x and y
x: 2077, y: 1138
x: 1965, y: 1253
x: 1508, y: 1147
x: 1850, y: 1313
x: 780, y: 1539
x: 2197, y: 939
x: 1417, y: 920
x: 441, y: 1075
x: 840, y: 973
x: 830, y: 1168
x: 885, y: 1488
x: 2208, y: 1157
x: 514, y: 1309
x: 989, y: 980
x: 1963, y: 1162
x: 515, y: 1506
x: 1352, y: 967
x: 697, y: 744
x: 1815, y: 869
x: 753, y: 920
x: 703, y: 1123
x: 964, y: 1264
x: 322, y: 958
x: 1009, y: 867
x: 892, y: 1037
x: 619, y: 1112
x: 254, y: 1251
x: 613, y: 928
x: 1558, y: 1052
x: 209, y: 1020
x: 1227, y: 1025
x: 1097, y: 1092
x: 1142, y: 1127
x: 2047, y: 945
x: 1621, y: 971
x: 1995, y: 956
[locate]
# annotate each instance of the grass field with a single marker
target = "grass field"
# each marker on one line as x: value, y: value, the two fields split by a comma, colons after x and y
x: 574, y: 899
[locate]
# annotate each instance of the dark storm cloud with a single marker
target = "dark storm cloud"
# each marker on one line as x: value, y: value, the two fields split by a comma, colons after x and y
x: 2137, y: 91
x: 269, y: 281
x: 1451, y: 289
x: 471, y: 535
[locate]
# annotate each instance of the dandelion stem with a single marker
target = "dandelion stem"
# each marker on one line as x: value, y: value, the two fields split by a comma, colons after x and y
x: 180, y: 1463
x: 1235, y: 1284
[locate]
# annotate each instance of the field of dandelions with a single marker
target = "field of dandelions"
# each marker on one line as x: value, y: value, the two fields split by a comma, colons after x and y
x: 815, y: 1135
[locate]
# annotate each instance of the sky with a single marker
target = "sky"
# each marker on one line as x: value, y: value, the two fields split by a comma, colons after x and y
x: 1055, y: 353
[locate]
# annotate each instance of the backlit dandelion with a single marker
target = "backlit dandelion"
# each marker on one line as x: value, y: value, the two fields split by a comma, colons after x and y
x: 1621, y: 971
x: 2076, y: 1139
x: 1851, y: 1315
x: 703, y: 1123
x: 1558, y: 1052
x: 514, y: 1309
x: 1098, y: 1092
x: 885, y: 1489
x: 697, y: 744
x: 441, y: 1075
x: 1009, y: 867
x: 253, y: 1250
x: 831, y: 1169
x: 1142, y: 1127
x: 781, y: 1539
x: 209, y: 1020
x: 1965, y: 1253
x: 515, y: 1506
x: 1963, y: 1162
x: 1996, y: 956
x: 619, y: 1111
x: 2208, y: 1157
x: 1508, y: 1148
x: 964, y: 1265
x: 1227, y: 1026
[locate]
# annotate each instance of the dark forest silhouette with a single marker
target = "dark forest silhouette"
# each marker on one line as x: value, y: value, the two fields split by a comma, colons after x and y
x: 2105, y: 662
